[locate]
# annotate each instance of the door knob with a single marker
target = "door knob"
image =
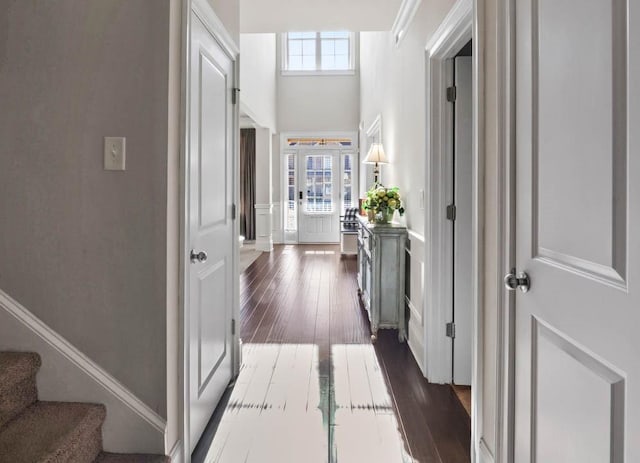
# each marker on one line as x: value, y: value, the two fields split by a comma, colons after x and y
x: 520, y: 281
x: 198, y: 256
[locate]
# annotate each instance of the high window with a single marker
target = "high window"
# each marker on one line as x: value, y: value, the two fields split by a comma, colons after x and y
x: 318, y: 52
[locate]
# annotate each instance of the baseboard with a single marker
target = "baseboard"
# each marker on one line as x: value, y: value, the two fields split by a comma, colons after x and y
x: 264, y: 238
x: 415, y: 337
x: 264, y: 244
x: 415, y: 296
x: 69, y: 375
x: 176, y: 453
x: 484, y: 454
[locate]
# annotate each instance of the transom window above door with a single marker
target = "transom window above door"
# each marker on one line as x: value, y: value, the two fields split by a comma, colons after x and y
x: 318, y: 52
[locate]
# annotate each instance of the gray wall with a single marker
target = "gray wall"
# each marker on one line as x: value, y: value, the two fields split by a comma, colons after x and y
x: 85, y: 249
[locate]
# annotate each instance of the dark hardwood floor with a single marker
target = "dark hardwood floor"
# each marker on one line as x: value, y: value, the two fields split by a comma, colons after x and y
x: 310, y: 373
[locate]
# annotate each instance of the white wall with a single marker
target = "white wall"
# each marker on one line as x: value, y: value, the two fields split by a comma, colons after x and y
x: 318, y: 103
x: 258, y: 78
x: 311, y: 15
x: 264, y: 188
x: 228, y: 11
x: 277, y: 226
x: 393, y: 86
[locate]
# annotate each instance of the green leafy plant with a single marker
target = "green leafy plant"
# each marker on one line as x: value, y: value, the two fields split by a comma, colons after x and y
x: 384, y: 201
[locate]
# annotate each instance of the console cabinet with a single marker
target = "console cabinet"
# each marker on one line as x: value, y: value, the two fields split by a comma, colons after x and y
x: 381, y: 275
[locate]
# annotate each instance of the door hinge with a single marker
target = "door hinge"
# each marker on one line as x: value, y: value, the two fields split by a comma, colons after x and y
x: 233, y: 326
x: 451, y: 212
x: 451, y: 330
x: 234, y: 95
x: 451, y: 94
x: 233, y: 212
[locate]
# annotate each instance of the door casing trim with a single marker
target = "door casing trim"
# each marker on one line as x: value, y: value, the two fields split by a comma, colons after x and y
x: 454, y: 32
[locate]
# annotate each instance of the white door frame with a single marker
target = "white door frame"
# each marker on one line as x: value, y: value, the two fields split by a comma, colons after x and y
x: 500, y: 256
x: 454, y: 32
x: 284, y: 150
x: 215, y: 26
x: 466, y: 20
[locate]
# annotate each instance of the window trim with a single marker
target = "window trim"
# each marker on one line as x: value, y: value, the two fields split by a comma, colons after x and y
x: 317, y: 71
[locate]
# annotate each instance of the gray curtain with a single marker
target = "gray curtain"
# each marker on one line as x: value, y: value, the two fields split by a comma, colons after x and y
x: 248, y: 183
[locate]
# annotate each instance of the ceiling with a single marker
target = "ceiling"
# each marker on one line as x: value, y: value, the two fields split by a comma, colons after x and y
x: 317, y: 15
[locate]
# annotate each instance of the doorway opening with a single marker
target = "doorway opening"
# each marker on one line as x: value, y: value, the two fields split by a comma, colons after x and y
x: 320, y: 173
x: 452, y: 217
x: 459, y: 215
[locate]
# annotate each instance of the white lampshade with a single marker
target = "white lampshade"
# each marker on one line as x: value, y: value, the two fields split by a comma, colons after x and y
x: 376, y: 155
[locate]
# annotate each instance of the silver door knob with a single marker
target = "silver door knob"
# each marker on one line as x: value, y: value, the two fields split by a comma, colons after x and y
x: 198, y: 256
x: 520, y: 281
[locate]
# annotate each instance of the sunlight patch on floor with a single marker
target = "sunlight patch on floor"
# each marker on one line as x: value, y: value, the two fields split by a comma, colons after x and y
x: 273, y: 414
x: 365, y: 425
x: 284, y: 410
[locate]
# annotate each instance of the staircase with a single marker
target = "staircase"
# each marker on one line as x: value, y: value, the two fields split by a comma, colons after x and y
x: 33, y: 431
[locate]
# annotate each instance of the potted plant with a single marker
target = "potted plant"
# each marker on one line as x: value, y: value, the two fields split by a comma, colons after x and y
x: 383, y: 202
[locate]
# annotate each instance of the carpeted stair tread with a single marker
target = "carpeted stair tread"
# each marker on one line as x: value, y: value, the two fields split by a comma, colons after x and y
x: 131, y: 458
x: 18, y: 387
x: 16, y: 366
x: 53, y: 432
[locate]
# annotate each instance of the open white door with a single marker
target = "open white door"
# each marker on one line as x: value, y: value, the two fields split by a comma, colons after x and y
x: 577, y: 376
x: 319, y: 203
x: 462, y: 225
x: 210, y: 226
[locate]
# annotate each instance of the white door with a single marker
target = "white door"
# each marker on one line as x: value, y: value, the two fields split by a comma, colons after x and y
x: 462, y: 226
x: 577, y: 377
x: 210, y: 224
x: 318, y: 196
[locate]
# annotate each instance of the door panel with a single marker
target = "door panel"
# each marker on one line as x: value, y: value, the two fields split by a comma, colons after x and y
x: 577, y: 370
x: 212, y: 324
x: 210, y: 231
x: 462, y: 226
x: 595, y: 415
x: 591, y: 206
x: 319, y: 211
x: 213, y: 139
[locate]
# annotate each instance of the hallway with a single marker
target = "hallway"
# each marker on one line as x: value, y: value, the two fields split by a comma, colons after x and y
x: 312, y: 386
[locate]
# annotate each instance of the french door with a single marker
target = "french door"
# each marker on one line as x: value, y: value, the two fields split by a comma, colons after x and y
x: 319, y: 196
x: 319, y: 184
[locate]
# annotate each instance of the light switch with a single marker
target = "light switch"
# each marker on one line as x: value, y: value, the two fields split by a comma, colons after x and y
x: 114, y: 153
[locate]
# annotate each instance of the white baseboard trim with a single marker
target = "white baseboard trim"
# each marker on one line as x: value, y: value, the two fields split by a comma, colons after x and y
x: 414, y: 297
x: 264, y: 237
x: 69, y: 375
x: 484, y: 454
x: 264, y: 244
x: 413, y: 310
x: 176, y: 453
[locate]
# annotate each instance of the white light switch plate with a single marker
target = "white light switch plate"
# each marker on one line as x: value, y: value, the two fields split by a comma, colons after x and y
x: 114, y: 153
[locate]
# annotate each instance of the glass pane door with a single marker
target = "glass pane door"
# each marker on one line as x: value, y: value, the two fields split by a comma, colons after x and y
x: 319, y: 184
x: 319, y: 196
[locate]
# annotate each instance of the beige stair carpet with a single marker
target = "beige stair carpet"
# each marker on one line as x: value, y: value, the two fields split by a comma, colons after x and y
x: 33, y: 431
